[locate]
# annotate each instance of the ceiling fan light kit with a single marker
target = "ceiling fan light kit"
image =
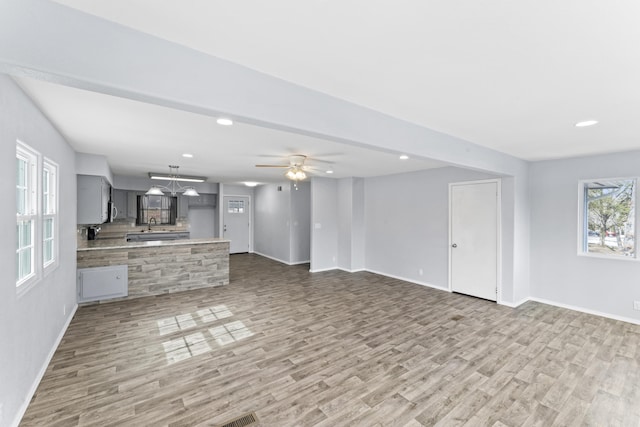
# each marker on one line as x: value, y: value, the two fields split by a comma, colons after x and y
x: 295, y: 168
x: 295, y: 174
x: 173, y: 187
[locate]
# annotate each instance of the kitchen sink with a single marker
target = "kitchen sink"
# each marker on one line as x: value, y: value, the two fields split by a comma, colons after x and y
x: 146, y: 235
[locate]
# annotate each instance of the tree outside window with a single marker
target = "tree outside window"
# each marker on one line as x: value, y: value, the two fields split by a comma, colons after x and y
x: 610, y: 217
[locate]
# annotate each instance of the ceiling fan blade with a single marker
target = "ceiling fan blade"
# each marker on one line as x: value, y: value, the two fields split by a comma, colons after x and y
x: 272, y: 166
x: 312, y: 169
x: 316, y: 160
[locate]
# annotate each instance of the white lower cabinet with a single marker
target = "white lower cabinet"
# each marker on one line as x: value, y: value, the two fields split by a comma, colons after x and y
x: 101, y: 283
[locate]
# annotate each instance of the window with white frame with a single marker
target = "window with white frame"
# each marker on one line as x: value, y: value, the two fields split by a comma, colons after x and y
x: 608, y: 217
x: 49, y: 213
x: 26, y: 213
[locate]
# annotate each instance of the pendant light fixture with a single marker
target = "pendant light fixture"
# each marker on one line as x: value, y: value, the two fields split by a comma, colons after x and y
x: 173, y: 186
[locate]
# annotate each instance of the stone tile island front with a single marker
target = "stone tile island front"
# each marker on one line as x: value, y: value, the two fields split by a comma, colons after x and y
x: 160, y: 267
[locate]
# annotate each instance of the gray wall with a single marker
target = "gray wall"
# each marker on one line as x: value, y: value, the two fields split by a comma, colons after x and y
x: 271, y: 229
x: 202, y: 222
x: 358, y: 230
x: 300, y: 223
x: 407, y: 223
x: 324, y: 224
x: 33, y: 322
x: 351, y: 230
x: 558, y: 274
x: 345, y: 221
x: 282, y: 222
x: 93, y: 164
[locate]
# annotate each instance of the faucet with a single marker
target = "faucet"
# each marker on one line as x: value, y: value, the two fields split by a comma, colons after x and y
x: 154, y: 222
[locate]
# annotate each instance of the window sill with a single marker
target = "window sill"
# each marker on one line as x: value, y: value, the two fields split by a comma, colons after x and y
x: 611, y: 257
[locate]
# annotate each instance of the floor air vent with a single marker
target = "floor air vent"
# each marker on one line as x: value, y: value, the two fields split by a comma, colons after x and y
x: 243, y: 421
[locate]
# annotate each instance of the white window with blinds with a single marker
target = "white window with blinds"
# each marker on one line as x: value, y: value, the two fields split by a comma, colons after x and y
x: 49, y: 214
x: 37, y: 226
x: 26, y: 213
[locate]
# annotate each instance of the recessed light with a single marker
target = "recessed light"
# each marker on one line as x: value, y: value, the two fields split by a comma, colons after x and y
x: 251, y: 184
x: 586, y: 123
x: 224, y: 121
x: 187, y: 155
x: 329, y: 171
x: 404, y: 157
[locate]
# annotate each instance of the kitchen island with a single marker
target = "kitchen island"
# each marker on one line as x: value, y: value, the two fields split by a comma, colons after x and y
x: 160, y: 267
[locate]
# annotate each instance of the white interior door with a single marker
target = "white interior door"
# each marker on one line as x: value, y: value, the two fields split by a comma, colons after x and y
x: 473, y: 251
x: 236, y: 223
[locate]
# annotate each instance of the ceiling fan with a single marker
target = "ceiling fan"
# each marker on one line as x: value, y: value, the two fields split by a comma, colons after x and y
x: 295, y: 169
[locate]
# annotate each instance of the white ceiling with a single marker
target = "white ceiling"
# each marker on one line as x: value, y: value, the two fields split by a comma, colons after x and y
x: 138, y: 138
x: 510, y: 75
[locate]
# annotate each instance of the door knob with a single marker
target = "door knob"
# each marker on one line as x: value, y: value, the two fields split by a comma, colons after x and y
x: 454, y: 245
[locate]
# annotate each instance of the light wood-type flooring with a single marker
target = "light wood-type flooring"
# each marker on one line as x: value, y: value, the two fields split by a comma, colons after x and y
x: 337, y: 349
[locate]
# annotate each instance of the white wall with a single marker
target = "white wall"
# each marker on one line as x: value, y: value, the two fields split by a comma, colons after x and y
x: 301, y: 223
x: 558, y: 274
x: 407, y: 223
x: 33, y: 322
x: 324, y: 224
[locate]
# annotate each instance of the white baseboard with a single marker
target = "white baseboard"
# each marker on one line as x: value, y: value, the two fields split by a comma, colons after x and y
x: 505, y: 303
x: 514, y: 304
x: 320, y: 270
x: 357, y: 270
x: 43, y: 369
x: 586, y: 310
x: 381, y: 274
x: 280, y: 260
x: 429, y: 285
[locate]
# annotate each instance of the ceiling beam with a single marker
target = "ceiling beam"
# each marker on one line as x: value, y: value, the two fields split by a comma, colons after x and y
x: 46, y: 40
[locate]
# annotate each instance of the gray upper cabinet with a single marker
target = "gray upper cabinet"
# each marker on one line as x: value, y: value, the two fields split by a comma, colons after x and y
x: 203, y: 200
x: 120, y: 202
x: 183, y: 206
x: 132, y: 204
x: 93, y: 199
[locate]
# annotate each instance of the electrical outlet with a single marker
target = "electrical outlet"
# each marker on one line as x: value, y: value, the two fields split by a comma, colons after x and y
x: 64, y: 310
x: 420, y: 272
x: 636, y: 305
